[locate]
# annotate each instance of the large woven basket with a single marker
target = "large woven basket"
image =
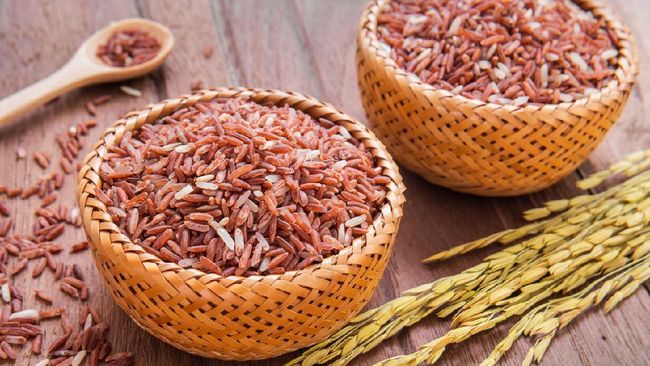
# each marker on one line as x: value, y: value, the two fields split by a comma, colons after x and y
x: 484, y: 148
x: 237, y: 318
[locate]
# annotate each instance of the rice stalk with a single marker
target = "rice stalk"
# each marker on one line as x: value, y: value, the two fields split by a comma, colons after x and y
x: 629, y: 166
x: 578, y: 206
x: 564, y: 264
x: 533, y: 324
x: 565, y: 309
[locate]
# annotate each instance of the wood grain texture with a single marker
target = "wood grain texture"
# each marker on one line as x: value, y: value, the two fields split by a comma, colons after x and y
x: 306, y: 46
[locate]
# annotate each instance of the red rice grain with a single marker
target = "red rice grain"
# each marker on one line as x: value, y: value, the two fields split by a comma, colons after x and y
x: 69, y: 290
x: 49, y: 199
x: 41, y: 295
x: 19, y: 267
x: 39, y: 268
x: 79, y: 247
x: 196, y: 84
x: 5, y: 226
x: 66, y: 165
x: 102, y: 99
x: 51, y: 313
x: 207, y: 51
x: 118, y: 357
x: 41, y: 159
x: 91, y: 108
x: 37, y: 344
x: 4, y: 209
x: 6, y: 348
x: 14, y: 192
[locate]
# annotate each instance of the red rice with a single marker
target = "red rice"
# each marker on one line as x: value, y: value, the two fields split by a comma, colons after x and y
x: 234, y: 187
x: 511, y: 52
x: 20, y: 325
x: 128, y: 48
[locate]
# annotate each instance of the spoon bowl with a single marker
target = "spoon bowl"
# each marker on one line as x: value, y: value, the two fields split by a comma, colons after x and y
x: 106, y: 73
x: 85, y: 68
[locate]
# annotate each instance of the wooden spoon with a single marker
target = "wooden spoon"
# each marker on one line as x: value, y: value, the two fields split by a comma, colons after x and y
x: 85, y: 68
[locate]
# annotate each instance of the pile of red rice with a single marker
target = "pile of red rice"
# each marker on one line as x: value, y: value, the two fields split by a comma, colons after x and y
x: 234, y: 187
x: 128, y: 48
x: 501, y: 51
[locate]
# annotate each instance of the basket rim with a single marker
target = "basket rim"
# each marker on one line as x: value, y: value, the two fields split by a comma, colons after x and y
x: 627, y: 53
x: 395, y: 186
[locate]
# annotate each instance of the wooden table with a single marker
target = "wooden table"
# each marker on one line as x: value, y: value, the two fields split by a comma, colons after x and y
x: 306, y: 46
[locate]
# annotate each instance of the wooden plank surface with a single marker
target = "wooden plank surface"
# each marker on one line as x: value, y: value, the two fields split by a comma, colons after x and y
x: 306, y: 46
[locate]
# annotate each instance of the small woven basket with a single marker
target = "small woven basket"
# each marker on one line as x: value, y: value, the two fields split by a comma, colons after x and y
x: 238, y: 318
x: 484, y: 148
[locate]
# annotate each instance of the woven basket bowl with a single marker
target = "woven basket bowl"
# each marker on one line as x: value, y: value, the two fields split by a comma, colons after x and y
x: 238, y: 318
x: 484, y: 148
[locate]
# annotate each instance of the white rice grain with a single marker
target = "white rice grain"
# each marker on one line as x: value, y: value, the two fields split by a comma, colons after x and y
x: 239, y: 241
x: 187, y: 262
x: 6, y: 293
x: 484, y: 65
x: 182, y: 149
x: 227, y: 239
x: 607, y: 54
x: 183, y: 192
x: 131, y: 91
x: 26, y: 315
x: 78, y: 358
x: 455, y: 24
x: 520, y: 101
x: 262, y: 240
x: 272, y: 178
x: 88, y: 322
x: 355, y: 221
x: 265, y: 264
x: 204, y: 178
x: 566, y: 97
x: 578, y: 61
x: 339, y: 165
x: 207, y: 185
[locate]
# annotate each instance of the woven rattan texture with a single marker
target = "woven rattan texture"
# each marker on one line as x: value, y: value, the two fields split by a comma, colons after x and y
x: 484, y: 148
x: 239, y: 318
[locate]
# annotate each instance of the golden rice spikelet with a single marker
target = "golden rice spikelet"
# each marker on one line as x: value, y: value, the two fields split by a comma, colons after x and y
x: 641, y: 250
x: 627, y: 165
x: 640, y: 275
x: 541, y: 346
x: 537, y: 213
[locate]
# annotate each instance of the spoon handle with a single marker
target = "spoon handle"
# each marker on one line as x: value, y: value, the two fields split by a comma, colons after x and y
x: 39, y: 93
